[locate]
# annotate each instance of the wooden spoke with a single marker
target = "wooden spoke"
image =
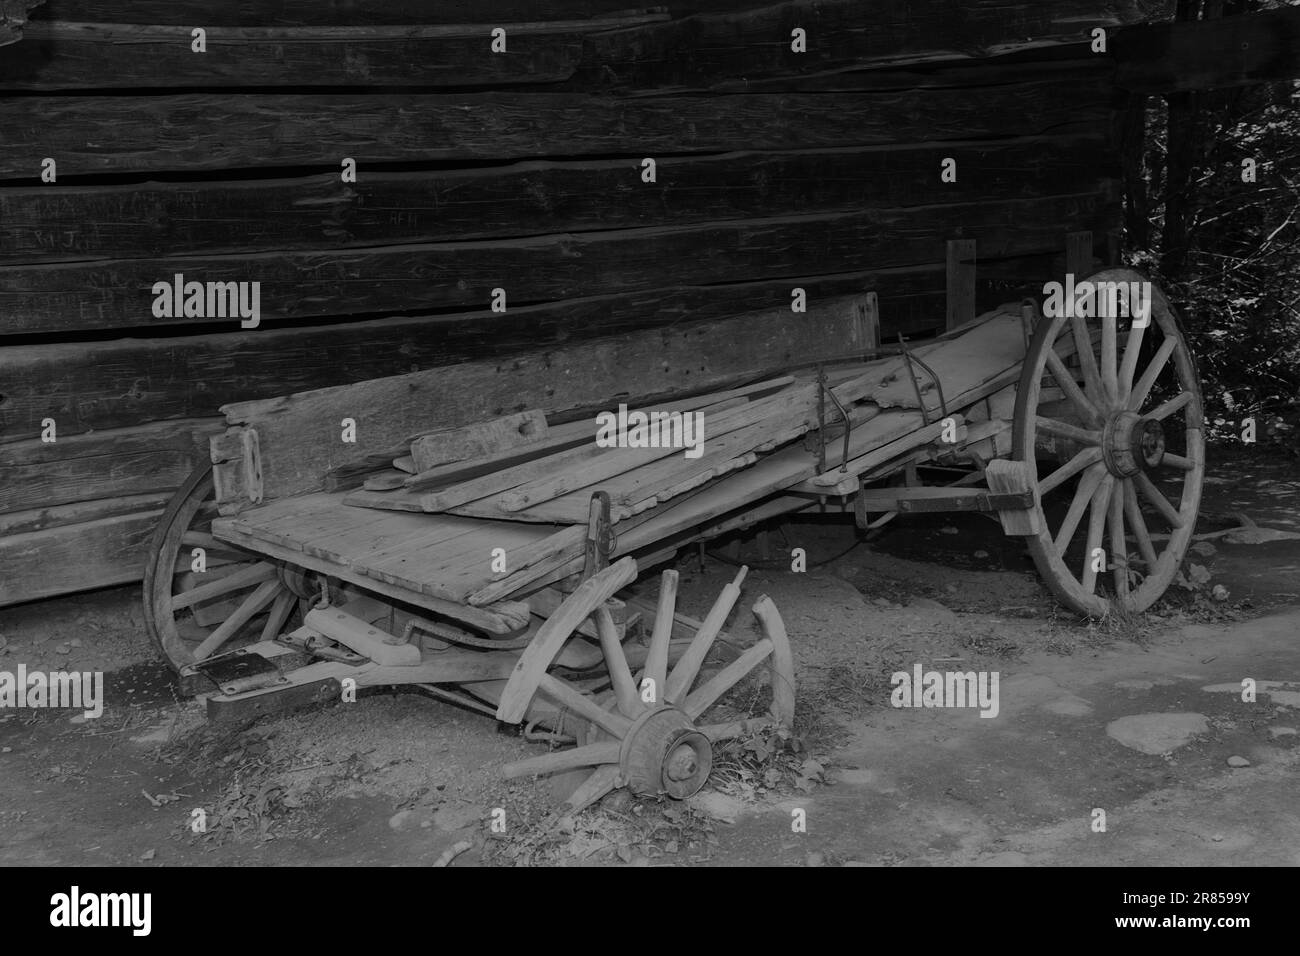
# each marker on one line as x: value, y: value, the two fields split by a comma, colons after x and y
x: 1065, y: 430
x: 731, y: 729
x: 656, y: 665
x: 707, y: 694
x: 1085, y: 458
x: 259, y: 599
x: 1109, y: 359
x: 583, y: 706
x: 684, y: 674
x: 280, y: 611
x: 1096, y: 525
x: 1143, y: 387
x: 1118, y: 545
x: 1178, y: 461
x: 592, y: 755
x: 1165, y: 409
x: 1132, y: 352
x: 1157, y: 498
x: 1065, y: 379
x: 594, y: 787
x: 1092, y: 478
x: 1139, y: 525
x: 237, y: 581
x: 1087, y: 360
x: 620, y: 675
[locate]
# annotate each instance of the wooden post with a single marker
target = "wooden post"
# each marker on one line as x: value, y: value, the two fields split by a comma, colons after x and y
x: 1078, y: 254
x: 961, y: 282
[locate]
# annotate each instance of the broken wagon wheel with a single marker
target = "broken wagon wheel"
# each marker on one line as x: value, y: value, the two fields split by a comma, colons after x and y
x: 1130, y: 404
x: 237, y: 598
x: 645, y: 735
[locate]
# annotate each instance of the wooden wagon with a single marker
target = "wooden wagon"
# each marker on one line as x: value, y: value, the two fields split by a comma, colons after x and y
x: 482, y: 558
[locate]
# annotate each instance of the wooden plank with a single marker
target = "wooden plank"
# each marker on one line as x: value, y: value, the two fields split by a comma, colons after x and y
x: 1078, y: 254
x: 299, y: 433
x: 74, y: 557
x: 842, y: 34
x: 81, y: 512
x: 118, y: 293
x: 478, y: 439
x: 99, y: 465
x: 794, y: 407
x: 292, y: 13
x: 1210, y: 54
x: 494, y: 471
x: 50, y: 222
x: 194, y: 132
x: 68, y: 56
x: 356, y: 634
x: 960, y: 282
x: 505, y: 617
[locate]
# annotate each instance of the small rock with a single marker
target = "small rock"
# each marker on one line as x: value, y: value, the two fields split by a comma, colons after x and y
x: 75, y: 642
x: 565, y: 824
x: 947, y: 529
x: 399, y: 819
x: 1217, y: 838
x: 1220, y: 593
x: 62, y: 649
x: 6, y: 750
x: 1282, y: 731
x: 1236, y: 761
x: 981, y: 554
x: 425, y: 824
x: 148, y: 854
x: 814, y: 859
x: 618, y: 801
x: 1157, y: 734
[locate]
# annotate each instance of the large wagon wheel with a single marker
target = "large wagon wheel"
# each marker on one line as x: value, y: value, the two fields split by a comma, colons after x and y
x: 237, y: 599
x: 645, y: 733
x: 1130, y: 403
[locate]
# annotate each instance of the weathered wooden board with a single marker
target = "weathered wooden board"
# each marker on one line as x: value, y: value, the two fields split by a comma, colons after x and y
x: 841, y: 34
x: 43, y: 519
x: 129, y: 461
x: 531, y: 198
x: 547, y: 268
x: 131, y: 382
x: 74, y: 557
x: 299, y: 435
x: 70, y: 56
x: 194, y: 132
x: 290, y: 13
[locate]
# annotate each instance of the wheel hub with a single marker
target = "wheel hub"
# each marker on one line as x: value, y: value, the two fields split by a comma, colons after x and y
x: 664, y: 753
x: 1131, y: 444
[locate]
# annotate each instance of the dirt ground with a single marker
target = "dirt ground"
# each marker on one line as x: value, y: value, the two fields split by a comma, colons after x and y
x: 1142, y: 719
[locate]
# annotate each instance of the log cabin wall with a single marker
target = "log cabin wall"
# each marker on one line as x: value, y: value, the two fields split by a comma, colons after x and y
x: 477, y: 170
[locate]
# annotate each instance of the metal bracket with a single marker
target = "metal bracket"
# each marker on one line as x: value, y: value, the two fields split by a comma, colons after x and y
x: 822, y: 394
x: 911, y: 375
x: 601, y: 540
